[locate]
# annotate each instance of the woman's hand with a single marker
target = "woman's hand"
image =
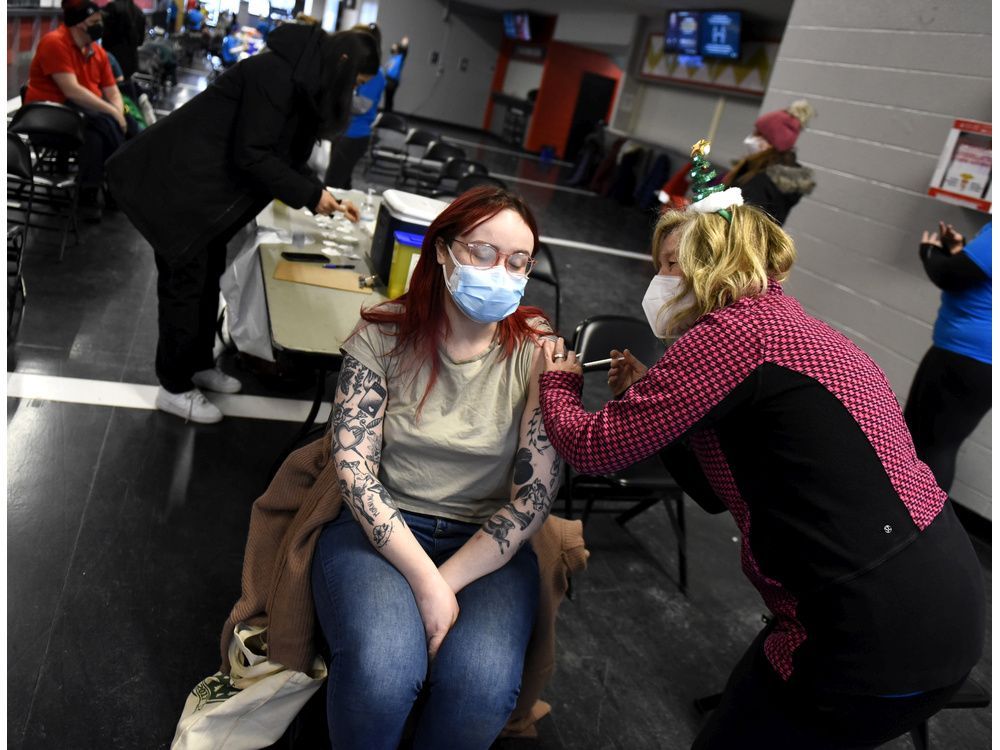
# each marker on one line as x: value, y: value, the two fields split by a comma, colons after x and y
x: 438, y: 609
x: 952, y: 241
x: 327, y: 204
x: 350, y: 210
x: 947, y: 238
x: 625, y: 370
x: 557, y: 358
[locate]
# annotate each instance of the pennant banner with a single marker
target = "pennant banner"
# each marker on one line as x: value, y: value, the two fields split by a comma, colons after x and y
x: 749, y: 75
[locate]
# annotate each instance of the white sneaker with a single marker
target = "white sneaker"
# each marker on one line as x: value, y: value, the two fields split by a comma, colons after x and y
x: 216, y: 380
x: 191, y: 406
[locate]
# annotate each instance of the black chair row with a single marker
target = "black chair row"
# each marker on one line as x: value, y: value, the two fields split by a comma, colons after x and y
x: 43, y: 141
x: 422, y: 160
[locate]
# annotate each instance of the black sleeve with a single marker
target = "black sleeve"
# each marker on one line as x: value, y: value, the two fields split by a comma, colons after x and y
x: 952, y: 273
x: 761, y: 191
x: 266, y: 107
x: 679, y: 460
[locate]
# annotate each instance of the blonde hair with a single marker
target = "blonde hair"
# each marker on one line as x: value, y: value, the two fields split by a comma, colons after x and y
x: 801, y: 110
x: 722, y: 261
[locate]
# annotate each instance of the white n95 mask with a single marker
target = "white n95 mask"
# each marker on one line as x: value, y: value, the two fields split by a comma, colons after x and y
x: 661, y: 291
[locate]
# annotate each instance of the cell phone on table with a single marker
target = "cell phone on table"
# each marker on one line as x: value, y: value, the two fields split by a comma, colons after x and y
x: 305, y: 257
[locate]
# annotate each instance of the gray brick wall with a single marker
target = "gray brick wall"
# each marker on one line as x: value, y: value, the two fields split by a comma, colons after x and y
x: 887, y: 79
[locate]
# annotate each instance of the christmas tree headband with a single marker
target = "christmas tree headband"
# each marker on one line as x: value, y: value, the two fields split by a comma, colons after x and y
x: 710, y: 199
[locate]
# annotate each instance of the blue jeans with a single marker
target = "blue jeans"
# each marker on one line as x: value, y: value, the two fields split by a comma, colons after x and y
x: 378, y: 650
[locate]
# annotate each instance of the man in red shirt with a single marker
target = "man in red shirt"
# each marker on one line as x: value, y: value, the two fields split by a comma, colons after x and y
x: 70, y: 68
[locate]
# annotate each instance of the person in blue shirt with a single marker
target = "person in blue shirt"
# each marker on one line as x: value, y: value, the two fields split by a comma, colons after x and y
x: 394, y: 69
x: 952, y: 389
x: 347, y: 150
x: 194, y: 19
x: 232, y: 46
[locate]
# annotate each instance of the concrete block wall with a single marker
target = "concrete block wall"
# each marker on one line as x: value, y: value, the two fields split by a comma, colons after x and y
x: 887, y: 80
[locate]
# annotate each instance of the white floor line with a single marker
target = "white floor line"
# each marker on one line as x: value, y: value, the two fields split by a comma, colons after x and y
x: 502, y: 150
x: 135, y: 396
x: 552, y: 185
x: 595, y: 248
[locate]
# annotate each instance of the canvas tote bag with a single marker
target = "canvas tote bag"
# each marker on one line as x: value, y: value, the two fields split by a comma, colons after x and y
x: 251, y: 707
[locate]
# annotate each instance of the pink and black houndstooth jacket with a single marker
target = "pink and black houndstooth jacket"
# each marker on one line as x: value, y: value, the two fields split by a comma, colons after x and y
x: 799, y: 434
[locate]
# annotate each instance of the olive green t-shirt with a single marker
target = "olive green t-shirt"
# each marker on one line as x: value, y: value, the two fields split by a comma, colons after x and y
x: 455, y: 460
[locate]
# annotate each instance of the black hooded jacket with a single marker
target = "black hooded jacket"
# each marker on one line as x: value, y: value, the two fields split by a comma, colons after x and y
x: 244, y: 141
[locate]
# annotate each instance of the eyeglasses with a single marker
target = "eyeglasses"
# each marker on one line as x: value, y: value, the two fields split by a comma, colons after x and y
x: 484, y: 255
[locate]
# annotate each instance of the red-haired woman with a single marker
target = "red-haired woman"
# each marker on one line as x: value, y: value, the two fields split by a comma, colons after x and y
x: 447, y: 473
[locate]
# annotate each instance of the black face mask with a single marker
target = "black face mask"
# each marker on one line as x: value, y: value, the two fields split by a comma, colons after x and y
x: 96, y: 31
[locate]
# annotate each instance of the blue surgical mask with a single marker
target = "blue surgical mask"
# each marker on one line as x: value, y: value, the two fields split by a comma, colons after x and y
x: 487, y: 295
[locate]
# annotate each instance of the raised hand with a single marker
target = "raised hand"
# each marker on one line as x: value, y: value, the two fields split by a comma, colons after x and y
x: 625, y: 370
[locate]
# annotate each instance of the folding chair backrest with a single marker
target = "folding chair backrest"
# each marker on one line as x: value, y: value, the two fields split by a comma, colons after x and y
x: 545, y: 268
x: 476, y: 167
x: 390, y: 140
x: 18, y: 158
x: 421, y: 138
x: 439, y: 151
x: 595, y: 337
x: 49, y: 125
x: 391, y: 121
x: 454, y: 168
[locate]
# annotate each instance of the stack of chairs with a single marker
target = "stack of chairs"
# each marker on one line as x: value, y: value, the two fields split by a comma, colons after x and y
x: 388, y: 149
x: 428, y: 170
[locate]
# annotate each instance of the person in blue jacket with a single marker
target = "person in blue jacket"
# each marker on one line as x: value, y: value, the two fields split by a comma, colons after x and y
x: 347, y: 150
x: 952, y: 391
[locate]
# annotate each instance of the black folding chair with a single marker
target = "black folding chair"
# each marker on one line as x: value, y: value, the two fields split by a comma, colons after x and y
x: 55, y: 133
x: 16, y: 292
x: 428, y: 171
x: 545, y: 272
x: 388, y: 148
x: 647, y: 483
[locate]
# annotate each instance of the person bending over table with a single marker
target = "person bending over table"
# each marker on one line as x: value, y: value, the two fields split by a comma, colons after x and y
x: 192, y: 180
x: 876, y: 596
x: 426, y: 583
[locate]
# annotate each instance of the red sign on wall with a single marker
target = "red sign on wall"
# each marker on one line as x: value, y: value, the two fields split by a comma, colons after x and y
x: 964, y: 173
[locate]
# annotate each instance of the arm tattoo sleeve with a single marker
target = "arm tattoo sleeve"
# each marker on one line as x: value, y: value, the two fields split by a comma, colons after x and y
x: 358, y: 411
x: 536, y: 475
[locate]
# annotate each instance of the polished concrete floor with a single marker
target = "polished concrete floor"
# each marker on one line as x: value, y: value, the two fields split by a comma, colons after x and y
x: 126, y: 526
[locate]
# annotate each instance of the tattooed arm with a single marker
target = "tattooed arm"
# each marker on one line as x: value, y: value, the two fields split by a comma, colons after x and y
x: 358, y: 411
x: 537, y: 472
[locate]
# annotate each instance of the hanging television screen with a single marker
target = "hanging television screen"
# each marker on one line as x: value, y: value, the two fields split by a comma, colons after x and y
x: 517, y: 26
x: 681, y: 36
x: 720, y: 34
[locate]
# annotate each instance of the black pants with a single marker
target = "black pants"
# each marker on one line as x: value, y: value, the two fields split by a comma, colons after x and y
x: 188, y: 304
x: 759, y: 711
x: 391, y: 84
x: 345, y: 153
x: 949, y: 395
x: 101, y: 138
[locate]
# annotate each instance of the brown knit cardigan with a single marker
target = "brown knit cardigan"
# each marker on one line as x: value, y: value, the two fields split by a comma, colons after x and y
x: 284, y: 525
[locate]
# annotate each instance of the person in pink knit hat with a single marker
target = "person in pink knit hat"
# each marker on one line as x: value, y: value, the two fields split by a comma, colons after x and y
x: 770, y: 175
